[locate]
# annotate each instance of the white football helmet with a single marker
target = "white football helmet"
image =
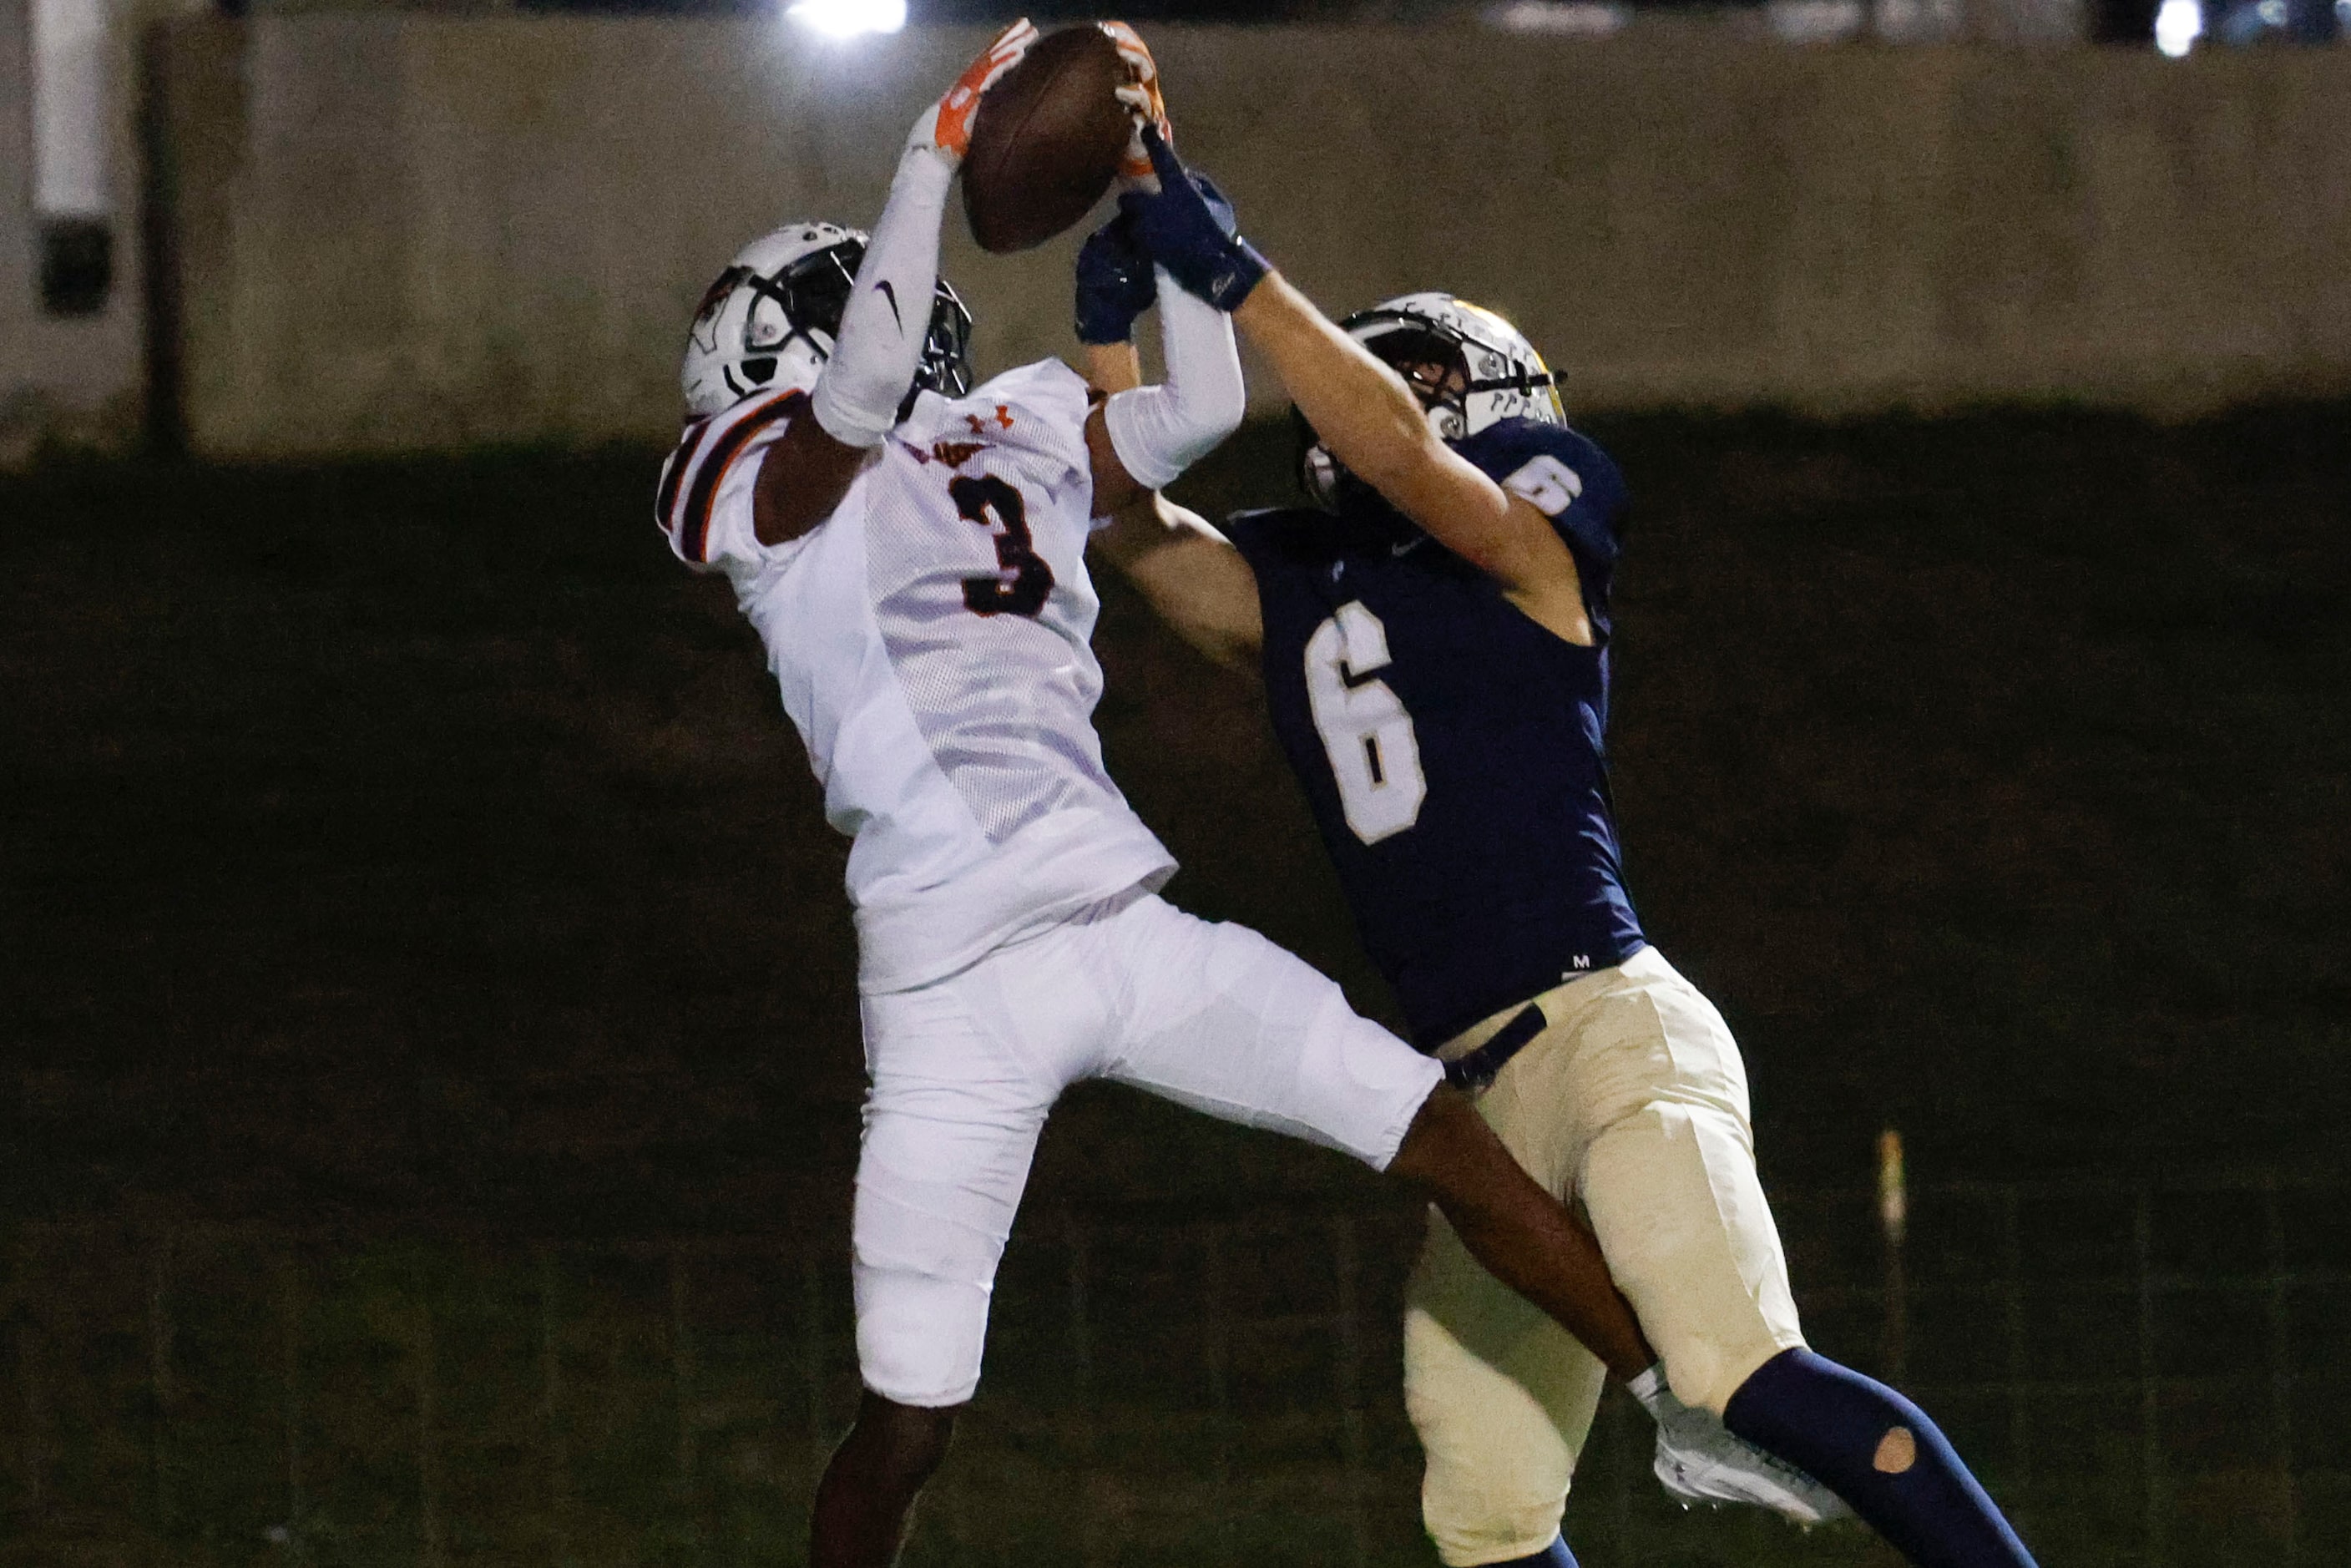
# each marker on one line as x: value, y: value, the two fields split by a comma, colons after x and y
x: 767, y: 323
x: 1471, y: 368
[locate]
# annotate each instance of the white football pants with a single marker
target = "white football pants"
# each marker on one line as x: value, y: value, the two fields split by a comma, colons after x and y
x: 963, y: 1071
x: 1634, y: 1099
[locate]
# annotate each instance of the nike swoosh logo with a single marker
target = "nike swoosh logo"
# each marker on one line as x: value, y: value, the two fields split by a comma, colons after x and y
x: 883, y: 289
x: 1408, y: 546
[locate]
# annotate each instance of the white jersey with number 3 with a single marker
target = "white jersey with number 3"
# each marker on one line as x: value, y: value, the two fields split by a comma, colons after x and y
x: 931, y: 642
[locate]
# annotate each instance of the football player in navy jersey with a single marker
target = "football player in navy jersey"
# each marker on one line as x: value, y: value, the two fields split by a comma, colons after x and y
x: 1435, y: 639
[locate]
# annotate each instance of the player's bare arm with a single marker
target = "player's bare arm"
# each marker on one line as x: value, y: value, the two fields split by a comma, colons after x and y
x: 1363, y: 410
x: 1192, y: 578
x: 801, y: 479
x: 1373, y: 422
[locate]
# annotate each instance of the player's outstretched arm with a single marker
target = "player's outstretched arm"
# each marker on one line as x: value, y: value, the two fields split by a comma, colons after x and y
x: 1189, y: 573
x: 1140, y: 438
x: 1371, y: 422
x: 882, y: 329
x: 1191, y: 576
x: 1360, y: 408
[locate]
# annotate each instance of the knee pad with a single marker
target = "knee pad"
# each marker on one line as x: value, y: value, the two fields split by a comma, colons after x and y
x: 925, y: 1268
x: 919, y: 1336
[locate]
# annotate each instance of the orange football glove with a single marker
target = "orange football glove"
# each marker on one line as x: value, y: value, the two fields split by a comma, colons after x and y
x: 945, y: 126
x: 1141, y: 96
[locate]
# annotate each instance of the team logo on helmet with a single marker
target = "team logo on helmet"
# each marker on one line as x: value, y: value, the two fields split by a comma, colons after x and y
x: 715, y: 296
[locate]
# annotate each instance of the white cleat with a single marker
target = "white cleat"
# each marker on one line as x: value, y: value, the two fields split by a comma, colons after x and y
x: 1700, y: 1460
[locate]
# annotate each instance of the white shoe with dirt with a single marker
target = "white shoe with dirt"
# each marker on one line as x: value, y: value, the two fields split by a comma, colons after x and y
x: 1700, y: 1460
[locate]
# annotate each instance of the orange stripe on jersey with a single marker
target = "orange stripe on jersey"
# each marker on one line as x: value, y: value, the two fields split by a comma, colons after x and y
x: 674, y: 474
x: 693, y: 530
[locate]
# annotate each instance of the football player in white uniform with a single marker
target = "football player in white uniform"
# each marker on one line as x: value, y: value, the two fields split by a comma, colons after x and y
x: 912, y: 552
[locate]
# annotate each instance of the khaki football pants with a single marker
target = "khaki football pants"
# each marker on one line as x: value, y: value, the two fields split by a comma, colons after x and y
x: 1634, y: 1099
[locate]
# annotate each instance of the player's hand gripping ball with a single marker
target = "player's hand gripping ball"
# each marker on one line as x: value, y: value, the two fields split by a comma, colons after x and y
x: 1050, y: 137
x: 1144, y: 106
x: 946, y: 127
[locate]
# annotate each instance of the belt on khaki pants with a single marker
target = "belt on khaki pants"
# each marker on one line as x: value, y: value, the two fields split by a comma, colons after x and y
x: 1474, y: 1069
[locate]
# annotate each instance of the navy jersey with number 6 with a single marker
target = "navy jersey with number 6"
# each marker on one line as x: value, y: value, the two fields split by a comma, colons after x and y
x: 1453, y: 751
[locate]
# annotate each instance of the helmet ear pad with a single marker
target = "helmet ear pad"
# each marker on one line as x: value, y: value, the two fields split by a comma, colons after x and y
x: 1318, y: 471
x: 1326, y: 482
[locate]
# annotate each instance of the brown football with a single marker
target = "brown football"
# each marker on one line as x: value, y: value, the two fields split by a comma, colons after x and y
x: 1047, y: 142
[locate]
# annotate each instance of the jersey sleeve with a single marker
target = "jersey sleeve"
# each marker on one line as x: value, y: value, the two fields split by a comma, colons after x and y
x: 1055, y: 397
x: 1569, y: 479
x: 704, y: 507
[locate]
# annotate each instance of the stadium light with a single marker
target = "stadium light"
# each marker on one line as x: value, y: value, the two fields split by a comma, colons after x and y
x: 847, y: 18
x: 2178, y: 25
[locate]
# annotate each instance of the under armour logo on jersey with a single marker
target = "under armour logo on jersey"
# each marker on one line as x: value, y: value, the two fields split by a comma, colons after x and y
x: 979, y: 422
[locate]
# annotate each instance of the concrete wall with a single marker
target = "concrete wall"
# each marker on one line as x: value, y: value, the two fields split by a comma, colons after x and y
x: 396, y: 231
x: 20, y: 238
x: 16, y: 281
x: 78, y: 379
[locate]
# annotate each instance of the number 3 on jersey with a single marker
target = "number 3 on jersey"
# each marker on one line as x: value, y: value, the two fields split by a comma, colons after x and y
x: 996, y: 506
x: 1374, y: 755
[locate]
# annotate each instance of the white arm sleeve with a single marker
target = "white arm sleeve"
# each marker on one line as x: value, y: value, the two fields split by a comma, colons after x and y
x: 888, y: 317
x: 1159, y: 431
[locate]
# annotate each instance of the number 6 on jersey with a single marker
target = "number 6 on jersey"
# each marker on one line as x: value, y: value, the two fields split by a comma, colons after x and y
x: 1374, y: 755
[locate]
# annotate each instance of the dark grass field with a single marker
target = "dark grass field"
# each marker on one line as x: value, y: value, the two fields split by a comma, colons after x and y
x: 416, y: 841
x: 431, y: 1059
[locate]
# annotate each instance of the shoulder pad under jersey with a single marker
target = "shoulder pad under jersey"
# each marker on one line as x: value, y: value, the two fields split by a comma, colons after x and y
x: 1571, y: 481
x: 704, y: 482
x: 1039, y: 408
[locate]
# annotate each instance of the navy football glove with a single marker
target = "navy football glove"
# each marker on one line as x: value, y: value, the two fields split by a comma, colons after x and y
x: 1189, y: 229
x: 1114, y: 282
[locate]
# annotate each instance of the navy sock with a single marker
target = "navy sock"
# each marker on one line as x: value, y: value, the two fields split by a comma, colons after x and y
x: 1879, y: 1453
x: 1555, y: 1555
